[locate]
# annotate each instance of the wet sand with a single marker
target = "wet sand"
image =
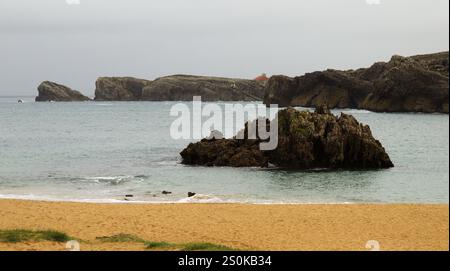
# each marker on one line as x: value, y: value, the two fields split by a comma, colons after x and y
x: 239, y: 226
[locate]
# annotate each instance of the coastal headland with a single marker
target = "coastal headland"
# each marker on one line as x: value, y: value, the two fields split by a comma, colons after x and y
x: 403, y: 84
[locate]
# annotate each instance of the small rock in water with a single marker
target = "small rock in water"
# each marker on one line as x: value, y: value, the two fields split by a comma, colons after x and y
x: 191, y: 194
x: 50, y: 91
x: 166, y: 192
x: 129, y: 196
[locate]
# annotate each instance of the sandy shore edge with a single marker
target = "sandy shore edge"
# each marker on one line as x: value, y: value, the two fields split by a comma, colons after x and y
x: 240, y: 226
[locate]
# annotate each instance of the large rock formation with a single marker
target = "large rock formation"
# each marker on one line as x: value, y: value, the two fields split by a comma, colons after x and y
x: 184, y: 87
x: 178, y: 88
x: 305, y: 140
x: 119, y: 88
x: 50, y: 91
x: 404, y: 84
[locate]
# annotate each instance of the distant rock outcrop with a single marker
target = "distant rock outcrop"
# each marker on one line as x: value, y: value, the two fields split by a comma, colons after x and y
x: 119, y: 88
x: 404, y: 84
x: 50, y: 91
x: 178, y: 88
x: 184, y: 87
x: 305, y: 140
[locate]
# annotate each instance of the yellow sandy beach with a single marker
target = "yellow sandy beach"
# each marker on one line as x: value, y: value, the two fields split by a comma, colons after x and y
x: 239, y: 226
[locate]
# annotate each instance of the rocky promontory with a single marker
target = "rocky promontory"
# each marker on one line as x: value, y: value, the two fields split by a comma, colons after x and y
x: 184, y: 87
x: 306, y: 140
x: 168, y: 88
x: 178, y: 88
x: 119, y: 88
x: 404, y: 84
x: 50, y: 91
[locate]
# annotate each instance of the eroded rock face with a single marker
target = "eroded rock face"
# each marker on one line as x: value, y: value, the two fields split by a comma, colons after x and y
x: 404, y: 84
x: 178, y: 88
x: 305, y: 140
x: 225, y: 152
x: 119, y: 88
x: 410, y: 85
x: 50, y: 91
x: 184, y: 87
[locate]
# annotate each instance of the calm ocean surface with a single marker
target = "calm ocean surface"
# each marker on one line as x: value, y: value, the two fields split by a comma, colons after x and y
x: 101, y: 151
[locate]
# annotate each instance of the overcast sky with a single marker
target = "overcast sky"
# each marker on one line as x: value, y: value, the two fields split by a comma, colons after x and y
x: 75, y: 44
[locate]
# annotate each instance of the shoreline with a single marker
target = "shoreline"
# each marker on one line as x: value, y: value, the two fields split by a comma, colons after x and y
x: 297, y: 227
x: 184, y: 201
x: 202, y: 199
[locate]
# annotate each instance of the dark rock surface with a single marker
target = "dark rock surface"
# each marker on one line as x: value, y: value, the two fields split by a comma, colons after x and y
x: 50, y: 91
x: 178, y: 88
x: 191, y: 194
x: 184, y: 87
x: 119, y: 88
x: 225, y: 152
x: 404, y: 84
x: 305, y: 140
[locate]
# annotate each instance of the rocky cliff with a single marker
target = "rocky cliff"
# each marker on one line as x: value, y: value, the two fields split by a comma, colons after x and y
x: 184, y: 87
x: 50, y: 91
x: 178, y: 88
x: 119, y: 88
x: 305, y: 140
x: 404, y: 84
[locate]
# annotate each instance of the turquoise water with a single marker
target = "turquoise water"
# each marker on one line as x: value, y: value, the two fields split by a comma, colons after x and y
x: 101, y: 151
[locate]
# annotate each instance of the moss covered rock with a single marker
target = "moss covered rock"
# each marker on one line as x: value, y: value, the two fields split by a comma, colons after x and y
x: 305, y: 140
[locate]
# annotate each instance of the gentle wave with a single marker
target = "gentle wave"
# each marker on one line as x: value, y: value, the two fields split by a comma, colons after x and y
x: 197, y: 199
x: 112, y: 180
x: 355, y: 111
x: 102, y: 104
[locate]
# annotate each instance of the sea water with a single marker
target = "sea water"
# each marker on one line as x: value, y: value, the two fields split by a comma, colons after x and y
x: 102, y: 151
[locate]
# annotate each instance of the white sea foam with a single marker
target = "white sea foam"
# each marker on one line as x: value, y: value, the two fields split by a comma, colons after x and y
x: 356, y: 111
x: 62, y: 199
x: 99, y: 104
x: 113, y: 180
x: 199, y: 198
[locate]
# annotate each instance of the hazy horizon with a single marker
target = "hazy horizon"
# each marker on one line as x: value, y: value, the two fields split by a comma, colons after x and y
x: 74, y: 44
